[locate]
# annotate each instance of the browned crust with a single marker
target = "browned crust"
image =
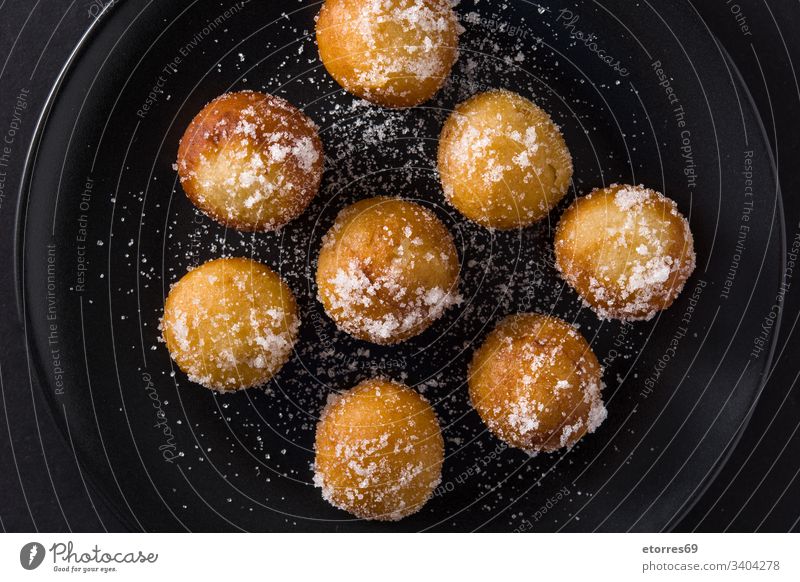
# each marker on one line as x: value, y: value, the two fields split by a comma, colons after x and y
x: 205, y: 136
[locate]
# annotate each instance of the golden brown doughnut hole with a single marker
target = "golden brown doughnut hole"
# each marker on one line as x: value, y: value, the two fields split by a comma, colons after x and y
x: 251, y: 161
x: 379, y: 451
x: 230, y: 324
x: 626, y: 250
x: 537, y: 384
x: 396, y: 53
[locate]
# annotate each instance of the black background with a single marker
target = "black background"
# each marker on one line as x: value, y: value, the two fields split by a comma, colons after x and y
x: 41, y: 487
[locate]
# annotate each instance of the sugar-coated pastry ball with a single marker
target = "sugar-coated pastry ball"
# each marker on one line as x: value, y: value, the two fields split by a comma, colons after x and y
x: 251, y: 161
x: 379, y: 451
x: 396, y: 53
x: 536, y: 383
x: 502, y: 161
x: 230, y: 324
x: 387, y: 270
x: 626, y: 250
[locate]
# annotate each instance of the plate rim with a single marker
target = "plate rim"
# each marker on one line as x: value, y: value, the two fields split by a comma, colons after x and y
x: 35, y: 364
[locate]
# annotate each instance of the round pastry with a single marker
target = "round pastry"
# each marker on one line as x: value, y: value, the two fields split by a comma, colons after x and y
x: 251, y: 161
x: 230, y: 324
x: 396, y: 53
x: 387, y: 270
x: 626, y: 250
x: 502, y: 161
x: 379, y: 451
x: 536, y: 383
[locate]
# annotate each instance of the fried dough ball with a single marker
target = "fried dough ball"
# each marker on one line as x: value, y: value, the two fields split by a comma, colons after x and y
x: 251, y: 161
x: 536, y: 383
x: 396, y: 53
x: 387, y: 270
x: 502, y: 161
x: 626, y: 250
x: 230, y: 324
x: 379, y: 451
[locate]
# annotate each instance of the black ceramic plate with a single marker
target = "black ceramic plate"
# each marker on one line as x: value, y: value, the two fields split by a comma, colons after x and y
x: 643, y: 94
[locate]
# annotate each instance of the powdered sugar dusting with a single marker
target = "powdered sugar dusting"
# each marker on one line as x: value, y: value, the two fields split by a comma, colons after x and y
x: 391, y: 295
x: 251, y: 160
x: 643, y: 261
x: 536, y: 384
x: 402, y: 44
x: 224, y: 330
x: 381, y: 462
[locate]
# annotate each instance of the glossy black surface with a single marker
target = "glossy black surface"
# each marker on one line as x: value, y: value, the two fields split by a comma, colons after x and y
x: 642, y: 470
